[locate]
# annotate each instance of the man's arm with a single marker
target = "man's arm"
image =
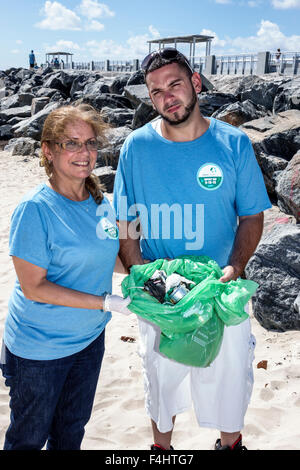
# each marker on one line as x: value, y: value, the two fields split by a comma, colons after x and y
x: 130, y: 252
x: 246, y: 240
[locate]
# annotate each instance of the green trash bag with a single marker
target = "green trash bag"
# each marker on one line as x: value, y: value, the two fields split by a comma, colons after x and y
x: 192, y: 329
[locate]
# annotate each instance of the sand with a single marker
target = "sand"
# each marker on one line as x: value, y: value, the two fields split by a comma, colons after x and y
x: 119, y: 420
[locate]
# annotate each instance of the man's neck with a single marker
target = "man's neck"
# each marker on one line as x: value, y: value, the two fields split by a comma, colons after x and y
x: 186, y: 131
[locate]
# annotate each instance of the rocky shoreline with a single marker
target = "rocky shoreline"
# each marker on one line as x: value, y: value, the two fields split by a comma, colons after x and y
x: 266, y: 108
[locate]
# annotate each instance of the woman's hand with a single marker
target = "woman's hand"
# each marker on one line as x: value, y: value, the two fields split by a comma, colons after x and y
x: 116, y: 304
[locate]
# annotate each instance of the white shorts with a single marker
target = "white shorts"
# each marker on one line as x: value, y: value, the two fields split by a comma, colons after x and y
x: 220, y: 393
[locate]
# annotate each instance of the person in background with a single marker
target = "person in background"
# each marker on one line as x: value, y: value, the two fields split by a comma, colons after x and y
x: 64, y: 243
x: 31, y: 60
x: 188, y: 160
x: 278, y: 61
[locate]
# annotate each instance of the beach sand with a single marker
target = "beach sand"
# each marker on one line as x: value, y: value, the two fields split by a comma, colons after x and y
x: 119, y: 420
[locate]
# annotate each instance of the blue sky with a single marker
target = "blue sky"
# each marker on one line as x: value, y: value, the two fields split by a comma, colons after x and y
x: 119, y: 29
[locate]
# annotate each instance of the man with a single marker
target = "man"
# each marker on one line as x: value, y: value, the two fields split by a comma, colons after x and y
x: 31, y: 60
x: 208, y: 169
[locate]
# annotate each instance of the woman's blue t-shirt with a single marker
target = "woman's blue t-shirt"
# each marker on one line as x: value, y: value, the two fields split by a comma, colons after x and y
x: 77, y: 243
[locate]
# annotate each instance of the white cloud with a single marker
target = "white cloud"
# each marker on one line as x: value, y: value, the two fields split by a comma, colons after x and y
x: 285, y: 4
x: 15, y: 51
x: 93, y: 9
x: 223, y: 2
x: 18, y: 41
x: 63, y: 46
x: 58, y: 17
x: 267, y: 38
x: 136, y: 47
x: 94, y: 25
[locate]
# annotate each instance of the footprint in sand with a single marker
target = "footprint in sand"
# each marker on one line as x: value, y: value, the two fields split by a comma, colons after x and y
x: 266, y: 394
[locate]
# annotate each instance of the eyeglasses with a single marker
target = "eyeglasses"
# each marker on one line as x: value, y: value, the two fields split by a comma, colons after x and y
x: 73, y: 146
x: 169, y: 54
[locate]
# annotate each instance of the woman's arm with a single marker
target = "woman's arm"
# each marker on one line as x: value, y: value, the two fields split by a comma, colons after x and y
x: 36, y: 287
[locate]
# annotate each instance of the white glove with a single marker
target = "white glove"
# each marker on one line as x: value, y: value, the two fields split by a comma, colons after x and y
x: 116, y: 304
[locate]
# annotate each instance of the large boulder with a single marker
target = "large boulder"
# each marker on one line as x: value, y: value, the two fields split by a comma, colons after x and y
x: 110, y: 152
x: 275, y: 266
x: 22, y: 112
x: 210, y: 102
x: 23, y: 146
x: 106, y: 175
x: 238, y: 113
x: 288, y: 96
x: 117, y: 117
x: 118, y: 84
x: 99, y: 101
x: 17, y: 100
x: 288, y: 188
x: 271, y: 167
x: 275, y: 135
x: 33, y: 126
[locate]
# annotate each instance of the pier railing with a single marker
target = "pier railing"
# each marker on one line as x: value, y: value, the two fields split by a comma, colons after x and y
x: 242, y: 64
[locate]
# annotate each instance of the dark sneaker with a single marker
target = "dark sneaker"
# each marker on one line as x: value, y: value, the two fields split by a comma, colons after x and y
x: 237, y: 445
x: 158, y: 448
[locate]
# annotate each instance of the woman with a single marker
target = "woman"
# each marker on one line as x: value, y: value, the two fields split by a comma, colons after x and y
x: 64, y: 245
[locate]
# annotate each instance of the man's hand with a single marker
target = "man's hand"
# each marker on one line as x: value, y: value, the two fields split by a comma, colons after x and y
x: 229, y: 273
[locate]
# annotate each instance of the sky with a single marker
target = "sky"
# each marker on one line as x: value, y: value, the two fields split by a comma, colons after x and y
x: 119, y: 29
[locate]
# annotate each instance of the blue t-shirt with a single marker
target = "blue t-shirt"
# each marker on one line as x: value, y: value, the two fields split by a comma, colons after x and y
x: 77, y: 243
x: 188, y: 194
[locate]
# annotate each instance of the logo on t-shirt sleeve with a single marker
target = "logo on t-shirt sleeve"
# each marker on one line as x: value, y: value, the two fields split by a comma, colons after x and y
x: 210, y: 176
x: 108, y: 228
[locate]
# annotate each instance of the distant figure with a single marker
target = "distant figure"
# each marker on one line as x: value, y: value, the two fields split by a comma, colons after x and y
x: 31, y: 60
x: 278, y: 57
x: 56, y: 63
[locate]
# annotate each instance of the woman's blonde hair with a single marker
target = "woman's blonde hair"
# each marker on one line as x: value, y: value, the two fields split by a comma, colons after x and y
x: 54, y: 129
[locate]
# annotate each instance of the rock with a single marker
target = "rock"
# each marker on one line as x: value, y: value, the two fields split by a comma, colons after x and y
x: 275, y: 266
x: 238, y: 113
x: 23, y: 112
x: 288, y: 96
x: 45, y: 92
x: 6, y: 132
x: 297, y: 304
x: 23, y: 146
x: 275, y: 135
x: 270, y: 165
x: 143, y: 114
x: 117, y: 117
x: 15, y: 120
x: 38, y: 104
x: 95, y: 88
x: 109, y: 154
x: 211, y: 102
x: 137, y: 94
x: 18, y: 100
x: 79, y: 83
x: 118, y: 84
x: 32, y: 127
x: 106, y: 100
x: 61, y: 81
x: 137, y: 78
x: 262, y: 94
x: 106, y: 176
x: 288, y: 188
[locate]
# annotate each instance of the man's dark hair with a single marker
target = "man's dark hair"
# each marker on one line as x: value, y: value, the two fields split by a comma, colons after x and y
x: 158, y: 60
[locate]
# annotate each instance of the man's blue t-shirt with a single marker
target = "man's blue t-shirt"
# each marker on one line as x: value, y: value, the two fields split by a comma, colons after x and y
x: 77, y: 243
x: 188, y: 194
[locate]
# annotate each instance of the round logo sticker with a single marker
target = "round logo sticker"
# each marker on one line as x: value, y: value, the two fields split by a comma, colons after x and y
x: 110, y: 229
x: 210, y: 176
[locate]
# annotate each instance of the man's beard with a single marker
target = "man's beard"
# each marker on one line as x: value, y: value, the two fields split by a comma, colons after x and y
x: 187, y: 112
